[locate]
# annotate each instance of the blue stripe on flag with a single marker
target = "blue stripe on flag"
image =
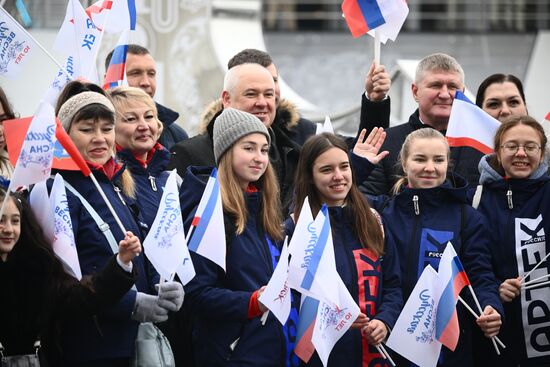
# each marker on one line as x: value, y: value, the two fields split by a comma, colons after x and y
x: 371, y: 12
x: 447, y: 302
x: 132, y: 11
x: 317, y: 252
x: 119, y: 55
x: 205, y: 218
x: 307, y: 315
x: 461, y: 96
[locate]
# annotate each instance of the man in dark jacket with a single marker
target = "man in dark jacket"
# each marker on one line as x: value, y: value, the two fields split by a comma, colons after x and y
x: 141, y: 72
x: 438, y: 77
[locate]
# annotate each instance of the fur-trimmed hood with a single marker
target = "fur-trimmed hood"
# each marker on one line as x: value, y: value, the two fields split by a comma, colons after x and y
x: 287, y: 114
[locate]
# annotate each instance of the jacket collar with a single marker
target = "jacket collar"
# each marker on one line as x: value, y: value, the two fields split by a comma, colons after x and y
x: 489, y: 175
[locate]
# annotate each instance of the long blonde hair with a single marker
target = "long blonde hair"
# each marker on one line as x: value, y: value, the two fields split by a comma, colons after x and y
x: 233, y: 199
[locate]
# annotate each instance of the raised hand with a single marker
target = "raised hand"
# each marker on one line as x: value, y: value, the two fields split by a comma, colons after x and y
x: 368, y: 148
x: 129, y: 248
x: 377, y: 83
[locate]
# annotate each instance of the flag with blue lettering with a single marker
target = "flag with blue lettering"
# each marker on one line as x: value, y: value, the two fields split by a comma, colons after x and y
x: 80, y: 38
x: 413, y: 335
x: 332, y: 322
x: 386, y: 16
x: 114, y: 75
x: 312, y: 269
x: 17, y: 45
x: 35, y: 158
x: 113, y: 15
x: 55, y: 219
x: 208, y: 238
x: 165, y: 243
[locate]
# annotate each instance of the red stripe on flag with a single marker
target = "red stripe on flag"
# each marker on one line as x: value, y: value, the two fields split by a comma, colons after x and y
x: 14, y: 133
x: 195, y: 221
x: 469, y: 142
x: 547, y: 118
x: 354, y: 18
x: 95, y: 9
x: 304, y: 347
x: 450, y: 335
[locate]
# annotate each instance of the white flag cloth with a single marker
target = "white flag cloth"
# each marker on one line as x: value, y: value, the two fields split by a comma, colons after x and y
x: 55, y: 220
x: 470, y: 126
x: 79, y: 37
x: 312, y: 269
x: 325, y: 128
x: 395, y: 13
x: 165, y: 243
x: 61, y: 79
x: 35, y: 159
x: 276, y: 295
x: 208, y: 238
x: 333, y: 322
x: 115, y: 16
x: 17, y: 45
x: 413, y: 335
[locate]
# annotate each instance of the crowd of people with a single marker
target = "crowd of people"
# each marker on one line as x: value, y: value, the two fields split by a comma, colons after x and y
x: 395, y: 197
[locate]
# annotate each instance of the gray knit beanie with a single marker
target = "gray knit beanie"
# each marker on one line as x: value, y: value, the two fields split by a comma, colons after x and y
x: 74, y: 104
x: 231, y: 125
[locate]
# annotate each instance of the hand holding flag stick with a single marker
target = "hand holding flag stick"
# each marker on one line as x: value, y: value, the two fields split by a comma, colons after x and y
x: 465, y: 304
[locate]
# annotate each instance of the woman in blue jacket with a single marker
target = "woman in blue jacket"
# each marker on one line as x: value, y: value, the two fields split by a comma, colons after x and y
x: 428, y: 210
x: 514, y: 199
x: 366, y: 260
x: 108, y: 338
x: 227, y: 330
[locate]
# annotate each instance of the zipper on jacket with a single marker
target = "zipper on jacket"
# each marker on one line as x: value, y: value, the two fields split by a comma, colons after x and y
x: 412, y: 265
x: 509, y: 199
x: 153, y: 183
x: 415, y: 204
x: 117, y: 190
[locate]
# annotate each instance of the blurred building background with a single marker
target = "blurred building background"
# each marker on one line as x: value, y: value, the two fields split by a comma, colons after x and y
x: 322, y: 66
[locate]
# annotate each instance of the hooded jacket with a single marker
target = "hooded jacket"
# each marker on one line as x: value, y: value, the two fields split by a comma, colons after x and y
x: 422, y: 221
x: 172, y: 132
x: 223, y: 334
x: 518, y: 213
x: 373, y: 281
x: 110, y: 334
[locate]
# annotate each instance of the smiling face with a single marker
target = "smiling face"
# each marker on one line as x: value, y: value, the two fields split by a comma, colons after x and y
x: 137, y: 128
x: 435, y: 93
x: 250, y: 157
x: 10, y: 228
x: 524, y: 162
x: 426, y: 164
x: 94, y: 139
x: 502, y: 100
x: 332, y: 176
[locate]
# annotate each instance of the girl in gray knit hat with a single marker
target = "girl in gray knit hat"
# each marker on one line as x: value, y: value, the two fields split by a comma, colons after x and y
x: 227, y: 327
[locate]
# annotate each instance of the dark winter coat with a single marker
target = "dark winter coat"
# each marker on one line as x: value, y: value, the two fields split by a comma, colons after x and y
x: 172, y: 132
x: 518, y: 213
x: 218, y: 301
x: 464, y: 160
x: 36, y: 294
x: 379, y: 285
x: 374, y: 114
x: 150, y: 180
x: 422, y: 221
x: 110, y: 334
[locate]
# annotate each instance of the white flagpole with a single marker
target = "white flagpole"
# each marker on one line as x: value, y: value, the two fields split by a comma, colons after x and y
x: 481, y: 313
x: 535, y: 280
x: 38, y: 44
x: 536, y: 266
x: 376, y: 47
x: 477, y: 316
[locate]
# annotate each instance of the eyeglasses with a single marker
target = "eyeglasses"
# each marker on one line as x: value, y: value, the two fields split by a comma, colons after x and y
x: 513, y: 148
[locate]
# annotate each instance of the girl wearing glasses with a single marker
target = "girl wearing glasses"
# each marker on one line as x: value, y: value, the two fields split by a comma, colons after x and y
x: 513, y: 195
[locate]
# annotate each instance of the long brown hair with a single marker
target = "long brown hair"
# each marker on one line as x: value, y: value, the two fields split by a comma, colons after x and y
x: 507, y: 124
x: 365, y: 224
x: 233, y: 199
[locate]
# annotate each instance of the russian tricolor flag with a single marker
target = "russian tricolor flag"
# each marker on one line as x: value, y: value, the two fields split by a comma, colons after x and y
x: 451, y: 270
x: 114, y: 15
x: 114, y: 75
x: 387, y: 16
x: 208, y: 238
x: 470, y: 126
x: 308, y: 314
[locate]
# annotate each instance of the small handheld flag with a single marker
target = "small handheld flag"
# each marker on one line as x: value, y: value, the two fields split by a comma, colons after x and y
x: 114, y: 75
